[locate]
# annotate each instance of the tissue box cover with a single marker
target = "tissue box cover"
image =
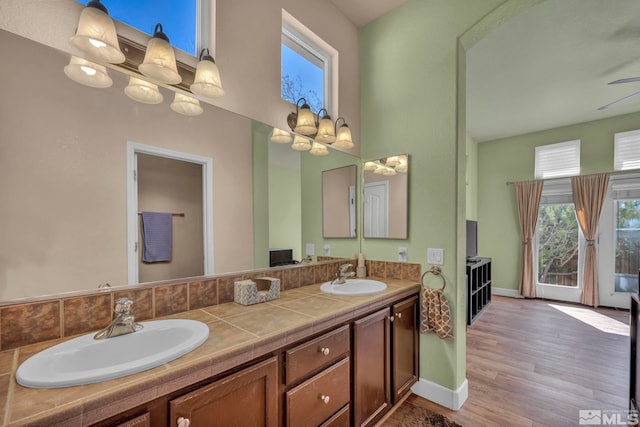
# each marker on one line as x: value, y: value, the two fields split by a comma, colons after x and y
x: 248, y: 292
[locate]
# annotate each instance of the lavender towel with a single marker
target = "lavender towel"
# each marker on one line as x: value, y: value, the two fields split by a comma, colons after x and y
x: 157, y: 236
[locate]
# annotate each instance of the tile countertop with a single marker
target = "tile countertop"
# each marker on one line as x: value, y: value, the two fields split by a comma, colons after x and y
x: 238, y: 334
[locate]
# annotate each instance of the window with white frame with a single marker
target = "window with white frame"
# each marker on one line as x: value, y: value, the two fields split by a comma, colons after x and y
x: 626, y: 150
x: 185, y: 22
x: 557, y: 160
x: 309, y: 66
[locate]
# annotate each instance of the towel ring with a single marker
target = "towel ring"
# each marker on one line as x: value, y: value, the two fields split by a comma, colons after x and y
x: 436, y: 271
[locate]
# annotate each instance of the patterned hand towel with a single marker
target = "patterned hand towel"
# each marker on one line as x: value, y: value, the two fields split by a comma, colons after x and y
x: 157, y: 236
x: 435, y: 315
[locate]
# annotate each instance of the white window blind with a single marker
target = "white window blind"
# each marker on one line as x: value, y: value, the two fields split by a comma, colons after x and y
x: 626, y: 150
x: 558, y: 160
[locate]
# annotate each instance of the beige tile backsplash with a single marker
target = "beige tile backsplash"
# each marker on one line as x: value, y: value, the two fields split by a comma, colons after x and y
x: 34, y: 322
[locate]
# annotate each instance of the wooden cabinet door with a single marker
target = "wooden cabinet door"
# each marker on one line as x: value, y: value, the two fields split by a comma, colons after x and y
x: 405, y: 349
x: 246, y: 398
x: 371, y: 368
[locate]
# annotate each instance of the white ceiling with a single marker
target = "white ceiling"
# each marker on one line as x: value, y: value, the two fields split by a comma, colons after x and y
x: 361, y: 12
x: 550, y: 66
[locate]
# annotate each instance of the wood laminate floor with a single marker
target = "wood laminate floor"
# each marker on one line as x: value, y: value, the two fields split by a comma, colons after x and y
x: 538, y: 362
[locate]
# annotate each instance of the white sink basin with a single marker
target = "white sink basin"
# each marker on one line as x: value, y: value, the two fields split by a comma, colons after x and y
x: 354, y: 287
x: 85, y: 360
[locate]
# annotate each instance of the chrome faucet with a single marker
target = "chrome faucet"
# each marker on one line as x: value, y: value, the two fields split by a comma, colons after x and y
x: 343, y: 274
x: 124, y: 322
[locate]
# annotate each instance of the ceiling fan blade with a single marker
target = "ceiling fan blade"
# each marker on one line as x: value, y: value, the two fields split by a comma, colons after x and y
x: 629, y: 80
x: 614, y: 103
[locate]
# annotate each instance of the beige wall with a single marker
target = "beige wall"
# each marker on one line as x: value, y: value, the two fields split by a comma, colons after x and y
x: 63, y: 174
x: 335, y: 201
x: 173, y: 186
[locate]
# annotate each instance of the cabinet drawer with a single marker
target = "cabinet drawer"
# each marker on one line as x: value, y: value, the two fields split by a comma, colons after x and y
x: 313, y: 355
x: 341, y: 419
x: 318, y: 398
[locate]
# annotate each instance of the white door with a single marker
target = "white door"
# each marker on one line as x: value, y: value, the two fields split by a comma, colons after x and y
x: 352, y: 211
x: 619, y: 242
x: 376, y: 209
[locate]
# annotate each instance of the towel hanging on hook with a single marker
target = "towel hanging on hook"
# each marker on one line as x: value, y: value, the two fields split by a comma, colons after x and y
x: 435, y: 315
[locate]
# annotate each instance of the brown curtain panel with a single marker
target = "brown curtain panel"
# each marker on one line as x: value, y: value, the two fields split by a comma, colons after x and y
x: 528, y: 200
x: 588, y: 197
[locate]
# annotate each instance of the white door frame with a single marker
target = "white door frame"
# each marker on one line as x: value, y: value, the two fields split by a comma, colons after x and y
x: 352, y: 211
x: 134, y: 148
x: 385, y: 186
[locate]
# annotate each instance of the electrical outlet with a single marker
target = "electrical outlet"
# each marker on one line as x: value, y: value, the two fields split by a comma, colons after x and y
x: 326, y: 250
x: 403, y: 254
x: 435, y: 256
x: 310, y: 249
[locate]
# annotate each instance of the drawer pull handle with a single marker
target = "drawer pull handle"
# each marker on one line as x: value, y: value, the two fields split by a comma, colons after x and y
x: 325, y: 351
x: 183, y: 422
x: 399, y: 315
x: 325, y: 399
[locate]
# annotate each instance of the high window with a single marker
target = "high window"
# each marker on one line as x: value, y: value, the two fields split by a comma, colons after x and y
x: 185, y: 22
x: 309, y: 67
x: 626, y: 151
x: 558, y: 160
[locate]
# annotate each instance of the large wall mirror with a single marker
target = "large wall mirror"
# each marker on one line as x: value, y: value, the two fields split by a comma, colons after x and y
x: 385, y: 197
x: 339, y: 202
x: 65, y: 167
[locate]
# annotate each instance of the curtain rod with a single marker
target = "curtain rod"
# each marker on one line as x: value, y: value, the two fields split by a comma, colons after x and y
x: 173, y: 214
x: 616, y: 173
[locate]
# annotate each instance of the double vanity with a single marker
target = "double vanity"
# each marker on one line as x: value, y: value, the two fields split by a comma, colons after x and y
x: 311, y: 357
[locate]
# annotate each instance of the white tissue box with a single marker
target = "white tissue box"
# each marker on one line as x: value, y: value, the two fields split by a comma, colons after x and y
x: 248, y: 292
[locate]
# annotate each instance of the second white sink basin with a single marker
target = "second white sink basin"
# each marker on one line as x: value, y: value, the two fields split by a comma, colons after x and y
x: 85, y: 360
x: 354, y: 287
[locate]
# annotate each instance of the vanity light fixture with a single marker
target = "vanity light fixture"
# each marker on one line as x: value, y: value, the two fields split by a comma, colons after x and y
x: 143, y: 91
x: 370, y: 166
x: 206, y: 82
x: 159, y: 60
x: 96, y: 34
x: 388, y: 171
x: 300, y: 143
x: 187, y: 105
x: 343, y: 138
x: 280, y: 136
x: 87, y: 73
x: 318, y: 149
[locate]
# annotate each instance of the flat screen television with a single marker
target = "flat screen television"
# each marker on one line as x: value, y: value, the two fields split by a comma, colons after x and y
x: 472, y: 239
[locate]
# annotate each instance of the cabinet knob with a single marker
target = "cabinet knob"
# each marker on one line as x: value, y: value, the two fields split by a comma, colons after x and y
x: 325, y: 399
x: 325, y: 351
x: 399, y: 315
x: 391, y: 318
x: 183, y: 422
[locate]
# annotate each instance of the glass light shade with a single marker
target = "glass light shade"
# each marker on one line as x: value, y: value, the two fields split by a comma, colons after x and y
x: 280, y: 136
x: 96, y: 34
x: 87, y: 73
x: 370, y: 166
x: 402, y: 168
x: 306, y: 123
x: 379, y: 170
x: 143, y: 91
x: 160, y: 60
x: 326, y: 131
x: 388, y: 172
x: 301, y: 144
x: 206, y: 82
x: 393, y: 161
x: 318, y: 149
x: 343, y: 139
x: 187, y: 105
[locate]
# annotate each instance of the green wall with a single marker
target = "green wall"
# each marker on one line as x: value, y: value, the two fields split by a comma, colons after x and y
x: 412, y: 101
x: 471, y: 178
x: 513, y: 159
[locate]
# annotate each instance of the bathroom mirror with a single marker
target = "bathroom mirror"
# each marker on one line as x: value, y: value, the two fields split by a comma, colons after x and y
x: 65, y: 160
x: 385, y: 197
x: 339, y: 202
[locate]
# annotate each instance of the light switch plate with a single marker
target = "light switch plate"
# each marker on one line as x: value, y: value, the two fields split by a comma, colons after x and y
x: 326, y: 250
x: 310, y: 249
x: 435, y: 256
x: 403, y: 255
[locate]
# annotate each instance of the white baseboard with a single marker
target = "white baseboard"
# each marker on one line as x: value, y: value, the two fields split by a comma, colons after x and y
x: 452, y: 399
x: 513, y: 293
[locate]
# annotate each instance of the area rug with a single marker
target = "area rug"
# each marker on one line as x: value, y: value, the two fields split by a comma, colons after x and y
x: 410, y: 415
